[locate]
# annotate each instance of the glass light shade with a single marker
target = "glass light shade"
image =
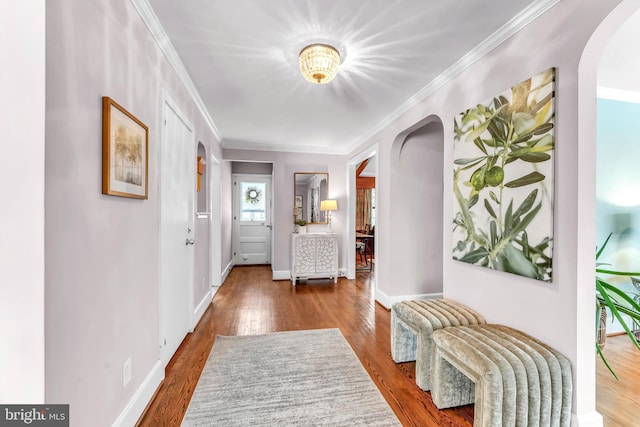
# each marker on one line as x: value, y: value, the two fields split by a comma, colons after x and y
x: 329, y: 205
x: 319, y: 63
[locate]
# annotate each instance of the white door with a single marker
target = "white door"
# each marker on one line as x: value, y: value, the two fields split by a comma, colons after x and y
x: 252, y: 219
x: 177, y: 194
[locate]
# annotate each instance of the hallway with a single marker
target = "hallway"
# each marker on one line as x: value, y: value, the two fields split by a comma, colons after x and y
x: 249, y: 302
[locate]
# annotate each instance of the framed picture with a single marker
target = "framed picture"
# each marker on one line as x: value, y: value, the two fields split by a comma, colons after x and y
x: 125, y: 152
x: 299, y: 216
x: 503, y: 180
x: 298, y: 201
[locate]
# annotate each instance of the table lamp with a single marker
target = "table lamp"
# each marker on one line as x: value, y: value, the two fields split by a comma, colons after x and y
x: 329, y: 205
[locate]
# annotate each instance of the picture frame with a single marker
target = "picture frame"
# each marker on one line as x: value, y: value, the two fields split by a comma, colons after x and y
x: 125, y: 152
x: 298, y: 201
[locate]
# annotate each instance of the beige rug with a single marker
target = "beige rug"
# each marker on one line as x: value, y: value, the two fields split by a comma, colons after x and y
x: 303, y: 378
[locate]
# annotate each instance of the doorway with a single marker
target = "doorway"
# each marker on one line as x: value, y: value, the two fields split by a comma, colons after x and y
x: 252, y: 219
x: 177, y: 212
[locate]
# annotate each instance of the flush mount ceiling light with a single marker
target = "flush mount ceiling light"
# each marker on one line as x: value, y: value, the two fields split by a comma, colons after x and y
x: 319, y: 63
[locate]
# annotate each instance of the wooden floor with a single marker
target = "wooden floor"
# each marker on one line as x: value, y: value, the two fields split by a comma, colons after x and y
x: 249, y: 302
x: 619, y: 401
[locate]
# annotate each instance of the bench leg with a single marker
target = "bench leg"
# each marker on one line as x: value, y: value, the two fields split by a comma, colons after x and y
x: 403, y: 340
x: 449, y: 386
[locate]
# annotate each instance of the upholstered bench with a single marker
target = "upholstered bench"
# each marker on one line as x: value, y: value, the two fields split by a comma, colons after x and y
x: 513, y: 379
x: 413, y: 322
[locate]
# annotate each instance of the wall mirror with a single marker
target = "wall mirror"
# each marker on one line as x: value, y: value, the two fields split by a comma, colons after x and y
x: 309, y: 189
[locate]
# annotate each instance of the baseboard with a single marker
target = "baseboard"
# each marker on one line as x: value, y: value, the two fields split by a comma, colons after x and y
x: 387, y: 301
x: 201, y: 308
x: 226, y: 272
x: 591, y: 419
x: 281, y: 275
x: 138, y: 402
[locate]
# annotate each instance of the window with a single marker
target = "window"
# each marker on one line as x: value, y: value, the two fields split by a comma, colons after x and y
x: 252, y: 207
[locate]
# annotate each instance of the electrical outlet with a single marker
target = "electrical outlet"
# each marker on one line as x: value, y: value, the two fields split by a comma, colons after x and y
x: 126, y: 372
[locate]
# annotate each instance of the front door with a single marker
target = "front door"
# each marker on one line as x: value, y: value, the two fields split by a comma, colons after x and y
x: 252, y: 219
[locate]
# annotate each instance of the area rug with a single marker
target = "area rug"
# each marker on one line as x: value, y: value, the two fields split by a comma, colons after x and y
x: 301, y: 378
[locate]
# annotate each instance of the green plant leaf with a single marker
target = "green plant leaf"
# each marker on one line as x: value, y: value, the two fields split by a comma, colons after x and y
x: 531, y: 178
x: 494, y: 197
x: 508, y: 218
x: 466, y: 161
x: 535, y: 157
x: 473, y: 200
x: 487, y: 206
x: 543, y: 128
x: 480, y: 145
x: 603, y: 246
x: 517, y: 262
x: 603, y: 289
x: 526, y: 204
x: 520, y: 226
x: 493, y: 232
x: 475, y: 255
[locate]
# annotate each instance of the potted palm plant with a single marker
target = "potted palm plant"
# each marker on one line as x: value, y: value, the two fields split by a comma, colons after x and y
x: 617, y: 302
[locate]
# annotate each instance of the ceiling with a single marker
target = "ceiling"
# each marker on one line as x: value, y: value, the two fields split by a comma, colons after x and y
x: 239, y: 60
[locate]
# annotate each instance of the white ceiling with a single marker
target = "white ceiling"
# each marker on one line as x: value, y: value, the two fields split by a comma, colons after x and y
x: 241, y: 58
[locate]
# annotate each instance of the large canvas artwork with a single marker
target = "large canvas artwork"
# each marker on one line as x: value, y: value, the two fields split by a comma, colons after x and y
x: 503, y: 180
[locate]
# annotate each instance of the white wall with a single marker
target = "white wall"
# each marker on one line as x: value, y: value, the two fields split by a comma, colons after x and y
x: 284, y: 166
x: 102, y: 251
x: 22, y: 293
x: 416, y: 213
x: 559, y: 313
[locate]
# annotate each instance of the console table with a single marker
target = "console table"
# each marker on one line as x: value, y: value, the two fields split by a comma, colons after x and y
x: 314, y: 255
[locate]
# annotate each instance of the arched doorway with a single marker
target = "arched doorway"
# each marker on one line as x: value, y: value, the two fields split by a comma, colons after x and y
x: 587, y: 175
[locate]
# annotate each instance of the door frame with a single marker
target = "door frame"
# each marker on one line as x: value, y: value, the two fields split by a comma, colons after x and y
x: 168, y: 102
x: 352, y: 166
x: 215, y: 223
x: 234, y: 200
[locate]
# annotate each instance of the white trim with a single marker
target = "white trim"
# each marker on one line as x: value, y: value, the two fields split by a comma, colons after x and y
x: 215, y: 223
x: 619, y: 94
x: 150, y: 19
x: 387, y: 301
x: 226, y: 272
x: 141, y: 398
x: 517, y: 23
x: 592, y: 419
x: 200, y: 309
x: 352, y: 165
x: 281, y: 275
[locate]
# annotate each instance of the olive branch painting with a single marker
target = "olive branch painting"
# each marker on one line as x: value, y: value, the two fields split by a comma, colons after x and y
x: 503, y: 180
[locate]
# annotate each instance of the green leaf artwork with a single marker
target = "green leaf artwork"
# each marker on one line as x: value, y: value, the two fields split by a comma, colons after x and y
x: 503, y: 180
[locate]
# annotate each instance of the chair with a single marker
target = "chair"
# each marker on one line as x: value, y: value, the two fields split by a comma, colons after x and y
x: 361, y: 248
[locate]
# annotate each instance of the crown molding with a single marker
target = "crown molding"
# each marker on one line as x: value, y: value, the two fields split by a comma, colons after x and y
x: 517, y: 23
x: 162, y: 39
x: 618, y: 94
x: 235, y: 144
x: 514, y: 25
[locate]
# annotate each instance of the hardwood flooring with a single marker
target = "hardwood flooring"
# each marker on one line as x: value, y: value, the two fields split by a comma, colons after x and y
x: 619, y: 401
x: 249, y: 302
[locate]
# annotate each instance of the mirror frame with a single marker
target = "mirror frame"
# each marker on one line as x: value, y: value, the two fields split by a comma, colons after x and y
x: 298, y: 179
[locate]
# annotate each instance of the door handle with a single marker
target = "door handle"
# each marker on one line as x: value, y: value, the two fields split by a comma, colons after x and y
x: 269, y: 226
x: 190, y: 242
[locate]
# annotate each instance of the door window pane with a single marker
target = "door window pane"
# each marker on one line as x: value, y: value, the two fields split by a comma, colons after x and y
x: 252, y: 205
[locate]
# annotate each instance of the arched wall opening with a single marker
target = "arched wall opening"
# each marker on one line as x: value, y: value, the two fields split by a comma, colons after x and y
x: 586, y: 200
x: 416, y: 210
